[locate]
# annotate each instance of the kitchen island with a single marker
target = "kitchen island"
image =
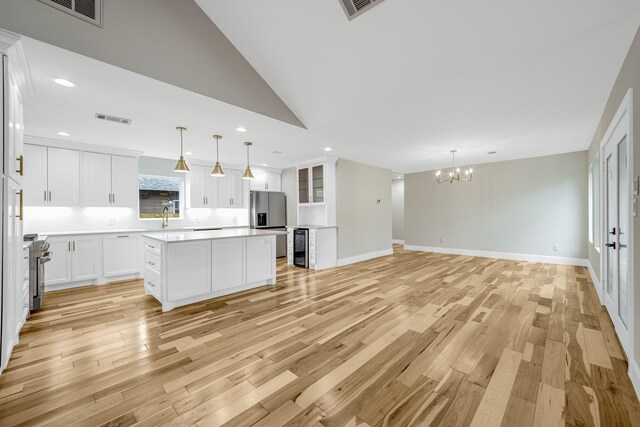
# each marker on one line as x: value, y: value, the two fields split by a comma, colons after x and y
x: 182, y: 268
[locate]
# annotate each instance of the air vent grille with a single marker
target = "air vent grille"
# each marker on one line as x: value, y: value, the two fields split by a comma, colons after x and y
x: 113, y: 119
x: 354, y: 8
x: 87, y: 10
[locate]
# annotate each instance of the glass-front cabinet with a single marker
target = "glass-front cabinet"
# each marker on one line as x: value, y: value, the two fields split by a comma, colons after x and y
x: 311, y: 185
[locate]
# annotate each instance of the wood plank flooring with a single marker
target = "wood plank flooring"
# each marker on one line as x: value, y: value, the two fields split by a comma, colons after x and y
x: 409, y: 339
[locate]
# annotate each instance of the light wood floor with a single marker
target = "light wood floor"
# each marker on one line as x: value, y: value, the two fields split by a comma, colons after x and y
x: 410, y: 339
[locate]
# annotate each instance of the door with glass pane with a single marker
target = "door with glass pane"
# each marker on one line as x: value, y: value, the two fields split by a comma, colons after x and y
x: 616, y: 233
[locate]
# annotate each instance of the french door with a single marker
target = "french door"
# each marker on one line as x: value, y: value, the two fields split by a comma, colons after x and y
x: 616, y: 232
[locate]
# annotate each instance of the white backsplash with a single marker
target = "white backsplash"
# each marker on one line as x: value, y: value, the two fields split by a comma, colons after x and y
x: 61, y: 219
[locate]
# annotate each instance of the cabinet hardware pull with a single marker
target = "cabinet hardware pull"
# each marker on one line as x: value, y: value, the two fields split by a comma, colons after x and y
x: 21, y: 215
x: 69, y: 245
x: 122, y: 237
x: 21, y: 160
x: 45, y: 195
x: 151, y: 263
x: 113, y: 196
x: 49, y: 195
x: 151, y: 247
x: 74, y: 246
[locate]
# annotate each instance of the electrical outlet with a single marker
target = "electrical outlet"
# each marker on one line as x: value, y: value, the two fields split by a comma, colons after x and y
x: 556, y: 247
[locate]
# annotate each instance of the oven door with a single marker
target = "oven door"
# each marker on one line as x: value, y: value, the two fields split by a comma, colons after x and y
x: 301, y: 248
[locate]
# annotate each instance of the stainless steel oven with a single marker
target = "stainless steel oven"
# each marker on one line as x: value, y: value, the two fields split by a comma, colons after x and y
x: 301, y: 247
x: 39, y: 255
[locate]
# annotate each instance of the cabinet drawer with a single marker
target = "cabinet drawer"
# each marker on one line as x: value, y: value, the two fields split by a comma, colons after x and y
x: 153, y: 247
x: 152, y: 282
x: 153, y: 263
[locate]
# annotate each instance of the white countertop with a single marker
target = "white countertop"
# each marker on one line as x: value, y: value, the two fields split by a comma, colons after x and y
x: 139, y: 230
x: 312, y: 227
x: 186, y: 236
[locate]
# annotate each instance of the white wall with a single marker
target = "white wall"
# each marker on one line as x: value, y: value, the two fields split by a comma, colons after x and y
x: 60, y: 219
x: 397, y: 201
x: 290, y: 188
x: 521, y: 207
x: 364, y: 225
x: 168, y: 40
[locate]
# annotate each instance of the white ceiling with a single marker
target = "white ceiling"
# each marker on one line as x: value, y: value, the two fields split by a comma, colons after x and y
x: 397, y: 87
x: 409, y: 80
x: 156, y: 109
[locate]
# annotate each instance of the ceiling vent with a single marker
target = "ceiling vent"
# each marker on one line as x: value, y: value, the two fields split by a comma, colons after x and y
x: 87, y: 10
x: 113, y: 119
x: 355, y: 8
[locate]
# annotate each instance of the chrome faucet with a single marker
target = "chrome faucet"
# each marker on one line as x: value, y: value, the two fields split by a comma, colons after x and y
x: 165, y: 217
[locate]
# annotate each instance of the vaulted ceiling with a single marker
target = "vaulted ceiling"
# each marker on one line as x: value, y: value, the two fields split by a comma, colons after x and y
x: 407, y: 81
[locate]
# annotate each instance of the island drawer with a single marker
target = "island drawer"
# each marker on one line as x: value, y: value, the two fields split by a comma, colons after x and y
x: 153, y: 247
x: 152, y: 282
x: 153, y: 262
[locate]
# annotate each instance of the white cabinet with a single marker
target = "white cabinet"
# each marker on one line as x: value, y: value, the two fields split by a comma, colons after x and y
x: 189, y: 269
x: 231, y: 190
x: 14, y: 164
x: 51, y: 176
x: 84, y: 258
x: 228, y: 263
x: 73, y: 259
x: 311, y: 184
x: 266, y: 181
x: 109, y: 180
x: 261, y: 258
x: 203, y: 188
x: 120, y: 254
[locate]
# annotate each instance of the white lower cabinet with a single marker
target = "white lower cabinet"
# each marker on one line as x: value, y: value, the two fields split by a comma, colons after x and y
x: 79, y: 260
x: 261, y: 252
x: 121, y: 255
x: 73, y: 259
x: 228, y: 263
x: 189, y: 264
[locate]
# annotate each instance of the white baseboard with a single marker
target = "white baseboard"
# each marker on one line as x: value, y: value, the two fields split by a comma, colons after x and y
x: 501, y: 255
x: 397, y: 242
x: 634, y: 374
x: 364, y: 257
x: 596, y: 282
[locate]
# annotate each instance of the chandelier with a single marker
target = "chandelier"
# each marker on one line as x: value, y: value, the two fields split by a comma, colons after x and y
x: 454, y: 173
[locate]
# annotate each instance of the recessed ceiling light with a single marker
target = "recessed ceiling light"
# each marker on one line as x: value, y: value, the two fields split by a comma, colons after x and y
x: 64, y: 134
x: 63, y: 82
x: 264, y: 164
x: 327, y: 149
x: 241, y: 129
x: 189, y: 153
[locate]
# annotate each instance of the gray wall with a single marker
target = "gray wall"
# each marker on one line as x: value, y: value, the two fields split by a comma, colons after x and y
x: 290, y: 188
x: 520, y: 206
x: 397, y: 201
x: 364, y: 226
x: 629, y: 77
x: 167, y: 40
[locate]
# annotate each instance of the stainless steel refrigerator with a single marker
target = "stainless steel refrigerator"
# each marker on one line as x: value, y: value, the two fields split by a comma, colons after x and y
x: 269, y: 210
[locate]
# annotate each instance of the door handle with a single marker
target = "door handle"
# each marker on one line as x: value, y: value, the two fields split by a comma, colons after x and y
x: 21, y: 162
x: 21, y: 194
x: 610, y: 245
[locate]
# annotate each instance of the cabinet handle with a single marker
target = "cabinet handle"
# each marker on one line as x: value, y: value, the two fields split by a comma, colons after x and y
x: 113, y: 197
x: 122, y: 237
x: 150, y: 283
x: 21, y: 161
x: 203, y: 202
x: 151, y: 246
x: 49, y: 195
x: 74, y: 246
x: 151, y: 263
x: 21, y: 215
x: 45, y: 195
x: 69, y: 245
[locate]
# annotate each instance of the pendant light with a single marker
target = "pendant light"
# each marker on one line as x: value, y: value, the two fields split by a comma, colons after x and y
x: 247, y: 173
x: 454, y: 173
x: 181, y: 166
x: 217, y: 170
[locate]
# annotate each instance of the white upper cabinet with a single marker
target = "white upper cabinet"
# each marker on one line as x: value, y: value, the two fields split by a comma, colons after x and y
x: 109, y: 180
x: 51, y: 176
x: 124, y: 181
x: 203, y: 188
x: 266, y: 181
x: 231, y: 188
x: 35, y: 175
x: 97, y: 179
